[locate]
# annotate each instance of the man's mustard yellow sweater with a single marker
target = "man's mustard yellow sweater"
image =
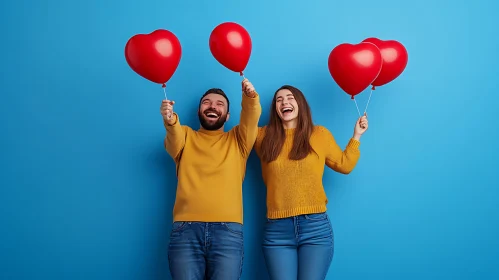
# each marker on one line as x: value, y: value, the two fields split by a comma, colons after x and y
x: 211, y: 165
x: 294, y: 187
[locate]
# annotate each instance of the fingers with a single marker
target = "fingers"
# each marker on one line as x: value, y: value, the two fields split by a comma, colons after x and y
x: 362, y: 122
x: 166, y: 112
x: 166, y: 108
x: 167, y: 105
x: 247, y: 86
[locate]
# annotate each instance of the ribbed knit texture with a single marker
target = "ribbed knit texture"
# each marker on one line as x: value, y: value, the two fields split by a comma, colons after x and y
x: 211, y: 166
x: 294, y: 187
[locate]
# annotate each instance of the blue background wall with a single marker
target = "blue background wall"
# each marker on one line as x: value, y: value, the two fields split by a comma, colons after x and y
x: 87, y: 189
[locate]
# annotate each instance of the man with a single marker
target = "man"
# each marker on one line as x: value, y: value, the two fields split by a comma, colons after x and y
x: 206, y: 241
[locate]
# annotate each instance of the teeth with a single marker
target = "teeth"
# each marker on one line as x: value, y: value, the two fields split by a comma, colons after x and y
x: 212, y: 115
x: 287, y: 110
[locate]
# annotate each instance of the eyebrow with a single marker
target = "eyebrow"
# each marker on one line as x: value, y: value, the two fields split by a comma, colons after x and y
x: 218, y: 101
x: 289, y: 94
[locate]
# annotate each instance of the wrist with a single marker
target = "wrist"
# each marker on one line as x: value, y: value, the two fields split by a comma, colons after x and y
x: 357, y: 136
x: 250, y: 94
x: 172, y: 121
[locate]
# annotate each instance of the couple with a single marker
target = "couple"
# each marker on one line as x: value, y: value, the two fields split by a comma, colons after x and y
x: 206, y: 241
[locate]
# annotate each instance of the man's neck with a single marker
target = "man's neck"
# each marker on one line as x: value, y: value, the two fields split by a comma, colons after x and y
x: 211, y: 131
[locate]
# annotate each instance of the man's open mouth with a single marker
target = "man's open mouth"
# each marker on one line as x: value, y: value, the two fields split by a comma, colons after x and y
x: 211, y: 115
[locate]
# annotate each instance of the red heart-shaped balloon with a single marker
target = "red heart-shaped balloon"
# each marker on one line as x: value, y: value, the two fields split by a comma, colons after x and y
x: 154, y: 56
x: 395, y: 59
x: 231, y: 45
x: 354, y: 66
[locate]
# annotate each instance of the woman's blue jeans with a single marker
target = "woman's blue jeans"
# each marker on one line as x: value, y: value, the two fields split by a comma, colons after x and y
x: 299, y: 247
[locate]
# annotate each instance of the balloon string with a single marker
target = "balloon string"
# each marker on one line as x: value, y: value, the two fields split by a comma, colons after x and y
x: 368, y: 101
x: 356, y: 106
x: 164, y: 91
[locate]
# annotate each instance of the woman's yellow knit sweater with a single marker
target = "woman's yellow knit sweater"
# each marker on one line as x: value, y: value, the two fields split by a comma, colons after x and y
x: 294, y: 187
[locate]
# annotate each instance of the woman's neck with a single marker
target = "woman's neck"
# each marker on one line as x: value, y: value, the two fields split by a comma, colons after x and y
x: 290, y: 124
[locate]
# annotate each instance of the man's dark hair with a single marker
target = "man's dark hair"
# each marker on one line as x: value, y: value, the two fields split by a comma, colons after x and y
x: 215, y: 91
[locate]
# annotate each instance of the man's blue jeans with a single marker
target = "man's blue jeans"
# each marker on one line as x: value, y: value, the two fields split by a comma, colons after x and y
x: 209, y: 251
x: 299, y: 247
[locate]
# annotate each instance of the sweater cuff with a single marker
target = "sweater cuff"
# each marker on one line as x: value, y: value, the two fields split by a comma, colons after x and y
x: 167, y: 125
x: 251, y: 101
x: 353, y: 144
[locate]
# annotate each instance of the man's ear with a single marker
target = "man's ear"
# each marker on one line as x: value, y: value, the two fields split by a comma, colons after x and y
x: 228, y: 116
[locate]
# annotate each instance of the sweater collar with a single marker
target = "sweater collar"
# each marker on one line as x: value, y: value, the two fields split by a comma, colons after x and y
x: 289, y: 131
x: 211, y: 132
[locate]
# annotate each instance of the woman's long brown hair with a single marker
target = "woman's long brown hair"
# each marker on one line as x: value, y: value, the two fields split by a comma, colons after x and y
x: 275, y: 135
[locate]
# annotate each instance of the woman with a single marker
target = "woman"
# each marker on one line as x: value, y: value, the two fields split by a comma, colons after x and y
x: 298, y: 238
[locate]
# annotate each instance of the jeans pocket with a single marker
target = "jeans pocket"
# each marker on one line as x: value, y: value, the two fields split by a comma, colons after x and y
x: 316, y: 216
x: 235, y: 228
x: 178, y: 226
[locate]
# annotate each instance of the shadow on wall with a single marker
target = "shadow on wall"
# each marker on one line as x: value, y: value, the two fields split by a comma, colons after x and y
x: 254, y: 197
x: 161, y: 167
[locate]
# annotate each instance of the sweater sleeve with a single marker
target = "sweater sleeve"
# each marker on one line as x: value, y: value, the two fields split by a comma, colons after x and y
x: 342, y: 161
x: 247, y: 129
x: 175, y: 138
x: 259, y: 138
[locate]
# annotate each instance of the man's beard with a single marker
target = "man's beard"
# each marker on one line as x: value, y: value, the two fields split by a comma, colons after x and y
x: 209, y: 125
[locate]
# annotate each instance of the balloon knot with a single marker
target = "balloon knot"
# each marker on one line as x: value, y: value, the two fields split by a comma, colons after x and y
x: 373, y: 88
x: 241, y: 73
x: 163, y: 85
x: 352, y: 97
